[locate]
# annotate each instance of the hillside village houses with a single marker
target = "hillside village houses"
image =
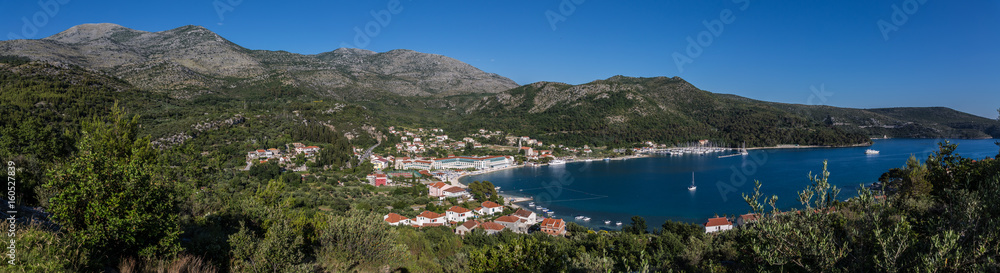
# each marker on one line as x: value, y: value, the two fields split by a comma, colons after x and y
x: 266, y: 155
x: 464, y: 220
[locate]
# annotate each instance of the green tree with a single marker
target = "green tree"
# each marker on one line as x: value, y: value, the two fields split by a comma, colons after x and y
x: 638, y: 225
x: 109, y: 197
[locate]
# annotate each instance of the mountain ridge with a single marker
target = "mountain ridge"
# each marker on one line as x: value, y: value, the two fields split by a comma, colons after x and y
x: 191, y: 60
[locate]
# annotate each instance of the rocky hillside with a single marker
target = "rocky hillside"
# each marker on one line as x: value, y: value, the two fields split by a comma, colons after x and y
x: 191, y: 60
x: 628, y: 110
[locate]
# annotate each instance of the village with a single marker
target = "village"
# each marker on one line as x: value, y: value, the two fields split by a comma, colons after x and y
x: 428, y: 157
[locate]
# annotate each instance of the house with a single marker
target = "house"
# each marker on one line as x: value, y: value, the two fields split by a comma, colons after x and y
x: 466, y: 227
x: 513, y: 223
x: 490, y: 208
x: 395, y: 219
x: 554, y: 227
x: 491, y: 227
x: 717, y: 224
x: 307, y: 150
x: 458, y: 214
x: 430, y: 218
x: 437, y: 189
x: 746, y: 219
x: 528, y: 216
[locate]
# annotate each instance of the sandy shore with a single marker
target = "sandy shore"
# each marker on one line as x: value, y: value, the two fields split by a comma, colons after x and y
x: 454, y: 180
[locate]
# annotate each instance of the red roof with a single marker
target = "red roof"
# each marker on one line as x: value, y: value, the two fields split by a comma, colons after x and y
x: 508, y: 219
x: 471, y: 224
x: 457, y: 209
x: 491, y: 226
x: 439, y: 185
x: 490, y: 204
x: 430, y: 214
x: 718, y: 221
x: 454, y: 190
x: 523, y: 213
x: 553, y: 223
x: 394, y: 218
x: 748, y: 217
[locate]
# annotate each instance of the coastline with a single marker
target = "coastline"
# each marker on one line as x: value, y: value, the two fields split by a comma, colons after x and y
x: 512, y: 200
x: 795, y: 146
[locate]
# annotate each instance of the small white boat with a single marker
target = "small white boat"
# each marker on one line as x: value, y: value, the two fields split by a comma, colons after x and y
x: 618, y: 223
x: 692, y: 187
x: 586, y: 218
x: 579, y: 217
x: 588, y: 160
x: 607, y: 159
x: 871, y: 152
x: 607, y: 222
x: 557, y: 162
x: 550, y: 212
x: 532, y: 204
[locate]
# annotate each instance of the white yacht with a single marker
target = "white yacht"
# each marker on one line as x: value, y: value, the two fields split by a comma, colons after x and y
x: 871, y: 152
x: 557, y: 162
x: 692, y: 187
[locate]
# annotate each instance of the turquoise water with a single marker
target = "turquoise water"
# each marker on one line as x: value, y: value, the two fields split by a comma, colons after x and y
x: 656, y: 187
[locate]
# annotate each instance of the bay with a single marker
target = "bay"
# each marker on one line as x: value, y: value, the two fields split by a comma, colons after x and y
x: 656, y: 187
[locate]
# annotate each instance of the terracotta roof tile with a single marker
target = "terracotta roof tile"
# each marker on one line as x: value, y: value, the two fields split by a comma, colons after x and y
x: 719, y: 221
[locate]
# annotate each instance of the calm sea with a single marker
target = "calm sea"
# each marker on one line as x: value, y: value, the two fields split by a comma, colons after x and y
x: 656, y: 187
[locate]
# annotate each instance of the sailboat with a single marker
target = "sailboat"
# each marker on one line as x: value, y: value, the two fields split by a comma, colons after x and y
x: 692, y: 187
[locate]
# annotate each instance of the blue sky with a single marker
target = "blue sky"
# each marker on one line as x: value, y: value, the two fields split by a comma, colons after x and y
x: 810, y: 52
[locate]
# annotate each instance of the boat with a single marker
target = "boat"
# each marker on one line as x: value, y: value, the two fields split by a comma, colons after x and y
x: 557, y: 162
x: 607, y: 159
x: 531, y: 204
x: 550, y: 212
x: 607, y: 222
x: 692, y: 187
x: 618, y: 223
x: 586, y: 218
x: 588, y: 160
x: 579, y: 217
x: 871, y: 152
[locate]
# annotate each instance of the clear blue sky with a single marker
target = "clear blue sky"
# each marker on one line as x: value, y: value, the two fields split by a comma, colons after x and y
x: 943, y: 54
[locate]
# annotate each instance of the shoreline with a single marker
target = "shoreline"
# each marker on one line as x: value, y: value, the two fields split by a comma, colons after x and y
x: 454, y: 181
x: 795, y: 146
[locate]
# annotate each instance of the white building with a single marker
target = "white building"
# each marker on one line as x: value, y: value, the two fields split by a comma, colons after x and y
x: 458, y: 214
x: 718, y: 224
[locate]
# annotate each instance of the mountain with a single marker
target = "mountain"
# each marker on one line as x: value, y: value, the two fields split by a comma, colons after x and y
x: 190, y: 61
x: 622, y: 110
x: 203, y: 74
